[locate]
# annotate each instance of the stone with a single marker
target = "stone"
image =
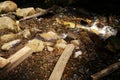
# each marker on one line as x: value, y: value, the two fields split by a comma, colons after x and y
x: 8, y: 23
x: 25, y: 12
x: 8, y: 6
x: 10, y: 44
x: 36, y: 45
x: 50, y: 48
x: 61, y: 44
x: 77, y: 54
x: 49, y: 35
x: 76, y: 42
x: 8, y: 37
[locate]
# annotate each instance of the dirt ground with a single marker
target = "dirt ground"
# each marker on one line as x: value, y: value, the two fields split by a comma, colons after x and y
x: 40, y: 65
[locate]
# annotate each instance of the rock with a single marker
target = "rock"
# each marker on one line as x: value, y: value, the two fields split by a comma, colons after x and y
x: 61, y: 44
x: 76, y: 42
x: 48, y: 43
x: 61, y: 41
x: 50, y: 48
x: 36, y: 45
x: 26, y: 33
x: 77, y: 54
x: 8, y: 23
x: 8, y: 37
x: 69, y: 24
x: 10, y: 44
x: 25, y: 12
x: 49, y: 35
x: 8, y: 6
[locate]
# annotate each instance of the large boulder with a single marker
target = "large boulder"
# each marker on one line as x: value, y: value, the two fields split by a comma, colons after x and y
x: 8, y: 23
x: 8, y: 6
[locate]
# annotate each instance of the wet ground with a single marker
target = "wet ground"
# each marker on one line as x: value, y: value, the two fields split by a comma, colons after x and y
x: 40, y: 65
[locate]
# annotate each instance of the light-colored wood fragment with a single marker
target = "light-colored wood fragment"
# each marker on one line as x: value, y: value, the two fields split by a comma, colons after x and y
x: 17, y: 58
x: 60, y: 65
x: 3, y: 62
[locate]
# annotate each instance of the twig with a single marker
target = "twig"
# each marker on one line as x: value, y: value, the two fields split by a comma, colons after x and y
x: 35, y: 15
x: 106, y: 71
x: 59, y: 67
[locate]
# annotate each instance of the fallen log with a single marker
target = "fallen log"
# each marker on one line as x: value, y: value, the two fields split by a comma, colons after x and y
x: 106, y: 71
x: 60, y: 65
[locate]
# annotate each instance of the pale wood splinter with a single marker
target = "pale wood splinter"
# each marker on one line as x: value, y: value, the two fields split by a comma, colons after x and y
x: 60, y: 65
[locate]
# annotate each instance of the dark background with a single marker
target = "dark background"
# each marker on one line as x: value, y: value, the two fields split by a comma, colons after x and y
x: 100, y: 6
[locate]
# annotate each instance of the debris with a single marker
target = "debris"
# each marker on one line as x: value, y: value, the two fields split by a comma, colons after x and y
x: 8, y: 37
x: 26, y: 33
x: 7, y: 6
x: 49, y: 35
x: 75, y: 42
x: 69, y: 24
x: 36, y: 45
x: 35, y: 15
x: 61, y: 44
x: 49, y: 48
x: 48, y: 43
x: 8, y: 23
x: 25, y: 12
x: 17, y: 58
x: 60, y: 65
x: 106, y: 71
x: 10, y: 44
x: 77, y: 54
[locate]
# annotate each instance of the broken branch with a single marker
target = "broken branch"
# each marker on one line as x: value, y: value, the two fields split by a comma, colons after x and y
x: 106, y: 71
x: 35, y: 15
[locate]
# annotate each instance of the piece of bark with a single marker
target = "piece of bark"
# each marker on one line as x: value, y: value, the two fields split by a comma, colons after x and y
x: 3, y: 62
x: 60, y: 65
x: 17, y: 58
x: 106, y: 71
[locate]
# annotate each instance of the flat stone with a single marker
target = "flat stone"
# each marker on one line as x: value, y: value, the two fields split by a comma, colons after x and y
x: 25, y: 12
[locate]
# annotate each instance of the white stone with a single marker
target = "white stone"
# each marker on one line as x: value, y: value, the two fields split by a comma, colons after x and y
x: 10, y: 44
x: 77, y: 54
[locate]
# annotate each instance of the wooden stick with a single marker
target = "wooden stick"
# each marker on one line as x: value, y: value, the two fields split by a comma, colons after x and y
x: 59, y: 67
x: 106, y: 71
x: 17, y: 58
x: 3, y: 62
x: 35, y: 15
